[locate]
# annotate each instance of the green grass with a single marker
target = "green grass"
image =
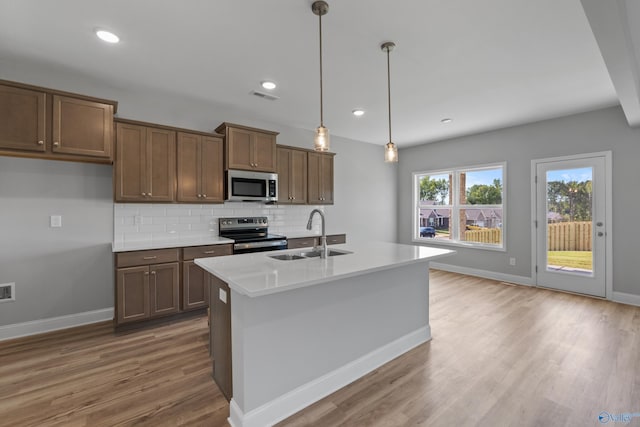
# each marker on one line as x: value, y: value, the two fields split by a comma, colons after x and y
x: 575, y: 259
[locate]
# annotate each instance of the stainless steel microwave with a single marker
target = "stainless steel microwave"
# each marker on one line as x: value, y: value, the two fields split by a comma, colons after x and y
x: 245, y: 186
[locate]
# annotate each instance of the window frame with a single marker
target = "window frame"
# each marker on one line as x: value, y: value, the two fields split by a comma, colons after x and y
x: 456, y: 206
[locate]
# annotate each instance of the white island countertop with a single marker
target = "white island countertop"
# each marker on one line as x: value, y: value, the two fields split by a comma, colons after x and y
x: 257, y: 274
x: 167, y: 244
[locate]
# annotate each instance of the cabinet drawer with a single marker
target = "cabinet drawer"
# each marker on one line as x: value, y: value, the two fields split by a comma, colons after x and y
x: 206, y: 251
x: 156, y: 256
x: 336, y: 239
x: 302, y: 242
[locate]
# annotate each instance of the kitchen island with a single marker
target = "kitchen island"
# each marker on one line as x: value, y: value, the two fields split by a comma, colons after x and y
x: 303, y: 328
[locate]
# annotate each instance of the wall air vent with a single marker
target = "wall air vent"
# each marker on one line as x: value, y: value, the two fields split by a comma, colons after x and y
x: 264, y: 95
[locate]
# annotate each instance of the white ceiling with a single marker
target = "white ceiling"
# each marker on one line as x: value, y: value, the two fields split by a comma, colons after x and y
x: 485, y: 64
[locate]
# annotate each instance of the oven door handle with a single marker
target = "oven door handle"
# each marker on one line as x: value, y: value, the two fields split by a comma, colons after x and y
x: 252, y: 245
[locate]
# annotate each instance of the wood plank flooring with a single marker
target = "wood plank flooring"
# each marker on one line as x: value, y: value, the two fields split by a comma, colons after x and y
x: 501, y: 355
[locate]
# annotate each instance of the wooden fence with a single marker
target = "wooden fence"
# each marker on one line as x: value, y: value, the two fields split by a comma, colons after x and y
x: 563, y: 236
x: 569, y: 236
x: 486, y: 235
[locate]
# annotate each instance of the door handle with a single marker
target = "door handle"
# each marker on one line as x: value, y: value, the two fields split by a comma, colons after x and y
x: 599, y: 223
x: 600, y: 234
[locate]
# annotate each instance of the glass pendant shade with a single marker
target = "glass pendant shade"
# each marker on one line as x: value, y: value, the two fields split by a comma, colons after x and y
x: 390, y: 153
x: 321, y: 140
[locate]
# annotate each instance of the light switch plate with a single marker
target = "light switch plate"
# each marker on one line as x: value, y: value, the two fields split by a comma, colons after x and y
x: 222, y: 295
x: 55, y: 220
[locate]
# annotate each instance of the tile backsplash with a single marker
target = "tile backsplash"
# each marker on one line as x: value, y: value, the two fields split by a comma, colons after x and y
x: 135, y: 222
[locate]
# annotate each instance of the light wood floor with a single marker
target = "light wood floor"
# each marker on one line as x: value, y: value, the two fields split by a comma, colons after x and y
x: 500, y: 356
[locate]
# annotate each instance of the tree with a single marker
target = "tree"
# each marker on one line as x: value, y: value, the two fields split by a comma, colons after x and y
x: 436, y: 190
x: 482, y: 194
x: 570, y: 199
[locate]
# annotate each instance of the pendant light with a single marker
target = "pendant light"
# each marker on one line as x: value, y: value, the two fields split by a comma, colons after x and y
x: 321, y: 139
x: 390, y: 150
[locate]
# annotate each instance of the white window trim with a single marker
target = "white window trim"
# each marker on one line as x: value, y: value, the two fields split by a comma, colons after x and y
x: 455, y: 208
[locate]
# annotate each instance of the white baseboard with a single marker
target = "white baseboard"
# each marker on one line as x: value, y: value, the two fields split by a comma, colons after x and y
x: 625, y: 298
x: 502, y: 277
x: 303, y: 396
x: 40, y: 326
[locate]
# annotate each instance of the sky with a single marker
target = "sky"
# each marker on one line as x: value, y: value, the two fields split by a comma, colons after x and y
x: 485, y: 177
x: 566, y: 175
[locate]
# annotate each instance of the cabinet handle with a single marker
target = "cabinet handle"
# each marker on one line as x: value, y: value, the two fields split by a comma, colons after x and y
x: 153, y: 272
x: 204, y: 196
x: 199, y: 196
x: 56, y: 144
x: 149, y: 194
x: 146, y: 273
x: 209, y: 252
x: 40, y: 142
x: 150, y: 257
x: 144, y: 194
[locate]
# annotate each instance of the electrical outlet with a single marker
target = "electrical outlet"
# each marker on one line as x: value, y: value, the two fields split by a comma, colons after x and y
x: 137, y: 219
x: 7, y: 292
x: 512, y: 261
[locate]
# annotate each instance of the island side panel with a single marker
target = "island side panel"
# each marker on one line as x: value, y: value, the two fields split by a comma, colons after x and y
x: 285, y: 340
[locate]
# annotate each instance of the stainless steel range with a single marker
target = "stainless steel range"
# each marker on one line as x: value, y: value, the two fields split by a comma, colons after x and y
x: 251, y: 234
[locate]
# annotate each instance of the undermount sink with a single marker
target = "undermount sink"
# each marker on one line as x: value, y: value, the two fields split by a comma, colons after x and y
x: 308, y: 254
x: 330, y: 252
x: 286, y: 257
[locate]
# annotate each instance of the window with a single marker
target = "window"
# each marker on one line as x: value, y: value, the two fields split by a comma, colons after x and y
x: 463, y: 206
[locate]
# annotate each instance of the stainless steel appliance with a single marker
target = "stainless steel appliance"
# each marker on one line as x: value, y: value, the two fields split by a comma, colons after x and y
x: 245, y: 186
x: 251, y: 234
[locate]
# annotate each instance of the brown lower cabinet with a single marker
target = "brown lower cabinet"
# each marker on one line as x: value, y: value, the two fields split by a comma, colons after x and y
x: 162, y: 282
x: 148, y: 291
x: 307, y: 242
x: 220, y: 335
x: 195, y: 281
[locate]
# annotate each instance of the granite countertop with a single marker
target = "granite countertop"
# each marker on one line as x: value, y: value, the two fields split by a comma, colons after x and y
x: 256, y: 274
x: 167, y: 244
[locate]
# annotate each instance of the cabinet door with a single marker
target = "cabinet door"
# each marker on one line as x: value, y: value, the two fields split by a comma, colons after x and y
x: 298, y: 177
x: 189, y: 165
x: 22, y: 119
x: 164, y: 290
x: 221, y: 336
x: 130, y: 165
x: 161, y: 165
x: 320, y: 179
x: 195, y: 286
x: 326, y: 177
x: 284, y: 175
x: 82, y: 127
x: 264, y: 157
x: 132, y: 294
x: 239, y: 149
x: 212, y: 170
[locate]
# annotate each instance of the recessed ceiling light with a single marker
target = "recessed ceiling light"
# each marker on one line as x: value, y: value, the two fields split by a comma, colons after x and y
x: 447, y: 120
x: 268, y: 85
x: 358, y: 112
x: 107, y: 36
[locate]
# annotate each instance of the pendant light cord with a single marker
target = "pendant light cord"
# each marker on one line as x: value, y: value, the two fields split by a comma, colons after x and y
x: 321, y: 112
x: 389, y: 90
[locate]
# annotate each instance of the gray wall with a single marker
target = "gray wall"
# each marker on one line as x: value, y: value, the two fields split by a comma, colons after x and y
x: 601, y: 130
x: 57, y: 271
x: 69, y: 270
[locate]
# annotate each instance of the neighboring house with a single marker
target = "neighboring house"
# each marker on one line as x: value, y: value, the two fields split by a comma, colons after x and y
x: 554, y: 217
x: 431, y: 215
x: 487, y: 218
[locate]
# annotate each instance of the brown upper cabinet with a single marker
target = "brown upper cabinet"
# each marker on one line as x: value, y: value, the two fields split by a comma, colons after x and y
x: 248, y: 148
x: 145, y: 165
x: 200, y: 168
x: 43, y: 123
x: 292, y: 175
x: 320, y: 182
